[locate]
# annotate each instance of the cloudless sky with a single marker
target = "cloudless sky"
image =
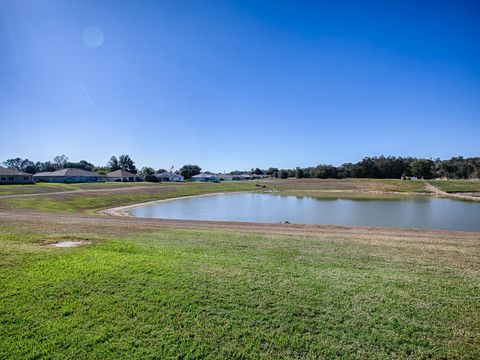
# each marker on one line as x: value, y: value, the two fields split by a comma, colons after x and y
x: 239, y: 84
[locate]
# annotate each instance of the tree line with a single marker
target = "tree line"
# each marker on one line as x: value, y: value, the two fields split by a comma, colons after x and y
x: 382, y: 167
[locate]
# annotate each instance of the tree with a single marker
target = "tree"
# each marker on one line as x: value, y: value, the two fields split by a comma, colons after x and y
x: 46, y: 166
x: 113, y: 164
x: 28, y: 166
x: 13, y: 163
x: 60, y: 161
x: 126, y: 163
x: 273, y: 172
x: 299, y: 174
x: 187, y: 171
x: 82, y: 164
x: 283, y: 174
x: 102, y: 170
x: 19, y: 164
x: 422, y: 168
x: 159, y: 171
x: 257, y: 171
x: 148, y: 174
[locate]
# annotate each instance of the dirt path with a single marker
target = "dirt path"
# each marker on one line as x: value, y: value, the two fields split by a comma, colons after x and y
x: 439, y: 192
x: 79, y: 191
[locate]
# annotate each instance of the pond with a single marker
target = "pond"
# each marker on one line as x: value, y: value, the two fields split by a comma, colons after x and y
x: 416, y: 212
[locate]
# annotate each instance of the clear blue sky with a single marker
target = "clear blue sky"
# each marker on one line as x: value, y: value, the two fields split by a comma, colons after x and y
x: 239, y: 84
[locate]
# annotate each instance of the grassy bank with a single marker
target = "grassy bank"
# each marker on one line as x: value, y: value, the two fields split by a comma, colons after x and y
x: 457, y: 186
x: 43, y: 188
x: 137, y: 293
x: 348, y: 185
x: 111, y: 197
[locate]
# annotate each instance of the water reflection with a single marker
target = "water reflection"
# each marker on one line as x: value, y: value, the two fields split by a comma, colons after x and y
x: 421, y: 212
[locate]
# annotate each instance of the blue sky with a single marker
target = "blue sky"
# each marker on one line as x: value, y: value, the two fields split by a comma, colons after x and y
x: 239, y: 84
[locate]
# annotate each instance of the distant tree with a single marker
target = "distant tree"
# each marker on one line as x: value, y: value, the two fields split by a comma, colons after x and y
x: 60, y: 161
x: 102, y: 170
x: 126, y: 163
x: 299, y: 174
x: 83, y: 164
x: 149, y: 174
x: 187, y: 171
x: 257, y: 171
x: 113, y: 164
x: 273, y: 172
x: 19, y: 164
x: 13, y: 163
x: 283, y: 174
x: 28, y: 166
x: 159, y: 171
x: 422, y: 168
x: 44, y: 166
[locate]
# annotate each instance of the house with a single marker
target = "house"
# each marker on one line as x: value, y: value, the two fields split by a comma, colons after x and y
x: 123, y: 176
x: 13, y: 176
x: 205, y: 178
x: 236, y: 177
x: 169, y: 177
x: 68, y: 176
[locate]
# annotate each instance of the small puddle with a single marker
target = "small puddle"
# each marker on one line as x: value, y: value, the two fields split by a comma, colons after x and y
x: 67, y: 244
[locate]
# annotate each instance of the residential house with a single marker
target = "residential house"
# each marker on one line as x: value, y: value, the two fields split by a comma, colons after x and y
x: 123, y: 176
x: 68, y: 176
x: 169, y: 177
x: 13, y: 176
x: 205, y: 178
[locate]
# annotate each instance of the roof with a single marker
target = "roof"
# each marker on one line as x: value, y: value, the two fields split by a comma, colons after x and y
x: 121, y: 173
x: 12, y: 172
x: 68, y: 172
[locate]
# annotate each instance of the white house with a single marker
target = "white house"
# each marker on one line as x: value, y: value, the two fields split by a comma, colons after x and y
x: 205, y: 178
x: 169, y: 177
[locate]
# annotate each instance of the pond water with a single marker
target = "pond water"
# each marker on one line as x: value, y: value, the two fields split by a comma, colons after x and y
x: 421, y: 212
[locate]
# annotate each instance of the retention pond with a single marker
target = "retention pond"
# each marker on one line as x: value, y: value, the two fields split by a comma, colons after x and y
x: 416, y: 212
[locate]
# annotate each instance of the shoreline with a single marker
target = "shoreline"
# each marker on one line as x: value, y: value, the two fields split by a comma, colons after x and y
x: 122, y: 210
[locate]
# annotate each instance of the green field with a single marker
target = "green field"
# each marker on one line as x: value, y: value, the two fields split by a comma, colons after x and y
x: 198, y: 293
x: 55, y: 187
x: 456, y: 186
x: 111, y: 197
x: 164, y: 289
x: 348, y: 185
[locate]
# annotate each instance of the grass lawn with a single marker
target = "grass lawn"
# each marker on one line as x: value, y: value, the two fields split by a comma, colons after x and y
x: 224, y: 294
x: 347, y: 185
x: 55, y: 187
x: 93, y: 201
x: 454, y: 186
x: 148, y: 289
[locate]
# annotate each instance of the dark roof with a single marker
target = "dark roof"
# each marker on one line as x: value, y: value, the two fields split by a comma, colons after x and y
x: 121, y: 173
x: 69, y: 172
x: 12, y: 172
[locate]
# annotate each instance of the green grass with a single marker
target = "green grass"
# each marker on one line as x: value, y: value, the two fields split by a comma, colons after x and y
x: 348, y: 185
x: 217, y: 294
x: 73, y: 202
x: 176, y: 293
x: 454, y: 186
x: 55, y: 187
